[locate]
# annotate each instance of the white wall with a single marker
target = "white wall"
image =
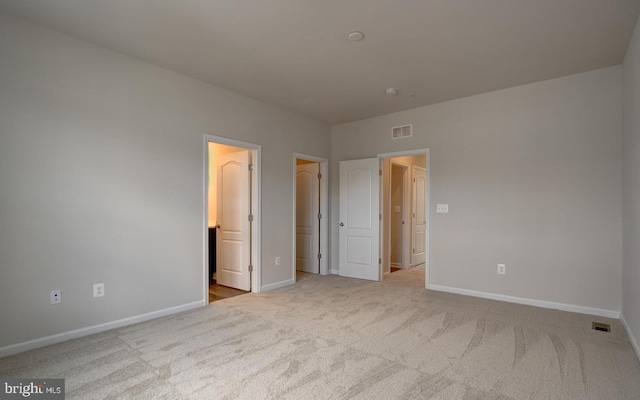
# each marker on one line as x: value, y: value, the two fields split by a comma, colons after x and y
x: 631, y: 186
x: 532, y: 176
x: 101, y: 180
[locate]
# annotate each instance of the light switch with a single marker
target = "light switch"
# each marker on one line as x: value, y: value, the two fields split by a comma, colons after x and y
x: 397, y: 208
x: 442, y: 208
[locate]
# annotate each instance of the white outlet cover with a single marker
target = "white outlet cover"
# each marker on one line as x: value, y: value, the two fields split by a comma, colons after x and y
x: 442, y: 208
x: 56, y: 297
x: 277, y: 260
x: 98, y: 290
x: 502, y: 269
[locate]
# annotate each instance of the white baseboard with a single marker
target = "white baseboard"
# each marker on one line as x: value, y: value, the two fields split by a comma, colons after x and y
x: 334, y: 271
x: 90, y: 330
x: 531, y: 302
x: 277, y: 285
x: 632, y: 339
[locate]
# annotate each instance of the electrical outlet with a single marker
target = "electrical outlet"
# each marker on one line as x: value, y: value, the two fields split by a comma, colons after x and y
x: 442, y: 208
x: 277, y: 260
x: 98, y: 290
x: 56, y: 297
x: 502, y: 269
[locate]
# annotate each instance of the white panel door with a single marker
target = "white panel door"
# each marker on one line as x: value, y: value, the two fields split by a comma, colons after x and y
x: 307, y: 223
x: 359, y: 223
x: 233, y: 236
x: 419, y: 215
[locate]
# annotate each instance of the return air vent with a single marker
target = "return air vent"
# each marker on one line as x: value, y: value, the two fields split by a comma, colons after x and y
x: 400, y: 132
x: 601, y: 327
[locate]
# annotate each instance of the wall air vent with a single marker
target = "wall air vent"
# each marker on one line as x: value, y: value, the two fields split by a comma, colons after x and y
x: 400, y: 132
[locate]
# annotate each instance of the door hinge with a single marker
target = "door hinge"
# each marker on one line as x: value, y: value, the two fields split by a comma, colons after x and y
x: 380, y: 217
x: 319, y: 256
x: 379, y: 260
x: 250, y: 268
x: 250, y: 217
x: 250, y: 167
x: 319, y: 216
x: 414, y: 250
x: 319, y: 176
x: 380, y: 171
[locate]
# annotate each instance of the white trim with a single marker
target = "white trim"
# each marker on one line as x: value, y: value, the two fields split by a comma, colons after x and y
x: 90, y: 330
x: 531, y: 302
x: 632, y: 339
x: 334, y: 271
x: 256, y: 206
x: 324, y: 210
x: 278, y: 285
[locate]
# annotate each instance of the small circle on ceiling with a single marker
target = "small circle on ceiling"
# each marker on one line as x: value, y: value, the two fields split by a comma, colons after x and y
x: 356, y: 36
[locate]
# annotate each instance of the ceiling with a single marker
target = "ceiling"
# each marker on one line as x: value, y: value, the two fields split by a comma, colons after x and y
x: 296, y: 54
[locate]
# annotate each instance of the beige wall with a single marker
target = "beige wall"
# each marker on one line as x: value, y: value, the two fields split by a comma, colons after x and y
x: 631, y: 185
x: 397, y: 200
x: 532, y: 176
x: 102, y: 180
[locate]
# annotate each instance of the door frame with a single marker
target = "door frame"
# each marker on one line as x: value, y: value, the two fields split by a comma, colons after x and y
x: 256, y: 192
x: 406, y: 205
x: 324, y: 211
x: 427, y: 258
x: 413, y: 198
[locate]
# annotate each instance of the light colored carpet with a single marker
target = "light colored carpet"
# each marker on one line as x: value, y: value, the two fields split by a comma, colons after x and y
x: 328, y: 337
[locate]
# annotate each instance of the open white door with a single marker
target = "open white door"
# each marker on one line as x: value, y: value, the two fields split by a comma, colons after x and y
x: 307, y: 223
x: 359, y: 219
x: 419, y: 220
x: 234, y: 229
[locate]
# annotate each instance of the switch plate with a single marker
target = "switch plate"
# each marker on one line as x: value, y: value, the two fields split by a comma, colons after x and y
x: 277, y: 260
x: 398, y: 209
x: 56, y: 297
x: 98, y: 290
x: 502, y: 269
x: 442, y: 208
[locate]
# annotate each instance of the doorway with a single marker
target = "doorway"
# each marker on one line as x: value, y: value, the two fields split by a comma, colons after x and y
x: 364, y: 214
x: 232, y: 217
x: 310, y: 199
x: 404, y: 194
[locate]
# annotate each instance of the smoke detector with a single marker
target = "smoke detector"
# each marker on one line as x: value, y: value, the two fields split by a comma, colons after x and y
x: 391, y: 91
x: 356, y: 36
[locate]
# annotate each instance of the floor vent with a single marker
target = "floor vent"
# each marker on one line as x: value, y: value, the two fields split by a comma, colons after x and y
x: 601, y: 327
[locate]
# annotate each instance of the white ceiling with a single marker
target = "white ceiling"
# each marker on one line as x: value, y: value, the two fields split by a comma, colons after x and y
x: 295, y: 53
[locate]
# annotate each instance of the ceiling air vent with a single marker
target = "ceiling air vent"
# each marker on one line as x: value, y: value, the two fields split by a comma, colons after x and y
x: 399, y: 132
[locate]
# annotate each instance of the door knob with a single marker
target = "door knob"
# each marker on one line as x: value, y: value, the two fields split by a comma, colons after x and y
x: 218, y: 226
x: 341, y: 224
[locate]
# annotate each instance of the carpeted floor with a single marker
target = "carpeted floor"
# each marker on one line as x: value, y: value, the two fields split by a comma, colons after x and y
x: 328, y: 337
